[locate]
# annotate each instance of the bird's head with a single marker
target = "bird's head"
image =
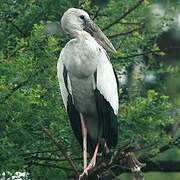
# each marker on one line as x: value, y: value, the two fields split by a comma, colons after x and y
x: 78, y: 20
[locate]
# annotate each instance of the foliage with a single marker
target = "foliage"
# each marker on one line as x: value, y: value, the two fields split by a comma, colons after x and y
x: 29, y: 90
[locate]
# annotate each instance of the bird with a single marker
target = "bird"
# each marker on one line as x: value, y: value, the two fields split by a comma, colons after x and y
x: 88, y: 85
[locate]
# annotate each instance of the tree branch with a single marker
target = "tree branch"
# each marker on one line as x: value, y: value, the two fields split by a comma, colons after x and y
x: 124, y: 15
x: 136, y: 55
x: 114, y: 162
x: 58, y: 144
x: 123, y: 157
x: 170, y: 145
x: 151, y: 166
x: 9, y: 20
x: 51, y: 159
x: 18, y: 29
x: 39, y: 152
x: 145, y: 53
x: 123, y: 33
x: 96, y: 13
x: 78, y: 4
x: 162, y: 166
x: 162, y: 149
x: 50, y: 165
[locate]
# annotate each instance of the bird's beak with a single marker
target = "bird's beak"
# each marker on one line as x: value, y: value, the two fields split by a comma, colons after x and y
x: 100, y: 37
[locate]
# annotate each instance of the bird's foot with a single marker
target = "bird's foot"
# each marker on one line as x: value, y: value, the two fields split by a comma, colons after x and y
x: 91, y: 164
x: 85, y: 173
x: 89, y: 167
x: 82, y: 175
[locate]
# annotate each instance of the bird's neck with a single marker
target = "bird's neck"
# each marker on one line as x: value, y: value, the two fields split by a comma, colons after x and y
x: 81, y: 35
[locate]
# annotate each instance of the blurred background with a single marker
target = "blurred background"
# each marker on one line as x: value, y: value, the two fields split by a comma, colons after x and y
x: 146, y: 34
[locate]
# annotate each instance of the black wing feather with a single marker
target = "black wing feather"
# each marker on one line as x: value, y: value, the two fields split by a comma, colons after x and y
x: 107, y: 118
x: 74, y: 118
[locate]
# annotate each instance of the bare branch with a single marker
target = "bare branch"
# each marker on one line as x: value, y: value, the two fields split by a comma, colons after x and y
x: 78, y: 3
x: 18, y: 29
x: 51, y: 159
x: 175, y: 143
x: 162, y: 166
x: 146, y: 53
x: 96, y: 13
x: 122, y: 157
x: 58, y: 144
x: 132, y: 23
x: 39, y: 152
x: 124, y: 15
x: 123, y: 33
x: 50, y: 165
x: 115, y: 162
x: 9, y: 20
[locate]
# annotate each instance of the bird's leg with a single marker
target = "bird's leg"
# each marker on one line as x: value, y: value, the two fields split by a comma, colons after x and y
x: 93, y: 160
x: 84, y: 133
x: 91, y: 164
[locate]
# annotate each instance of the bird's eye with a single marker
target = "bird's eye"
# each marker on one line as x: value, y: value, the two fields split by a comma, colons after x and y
x: 82, y: 17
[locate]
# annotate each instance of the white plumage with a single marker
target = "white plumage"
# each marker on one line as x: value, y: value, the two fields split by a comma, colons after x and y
x: 106, y: 81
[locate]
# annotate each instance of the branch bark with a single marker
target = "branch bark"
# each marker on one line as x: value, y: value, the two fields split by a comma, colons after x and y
x: 162, y: 166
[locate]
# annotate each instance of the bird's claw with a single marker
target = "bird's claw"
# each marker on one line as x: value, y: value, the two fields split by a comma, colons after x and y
x: 90, y: 166
x: 85, y: 173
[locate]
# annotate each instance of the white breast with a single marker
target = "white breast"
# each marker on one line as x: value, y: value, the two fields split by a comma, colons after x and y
x: 80, y: 56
